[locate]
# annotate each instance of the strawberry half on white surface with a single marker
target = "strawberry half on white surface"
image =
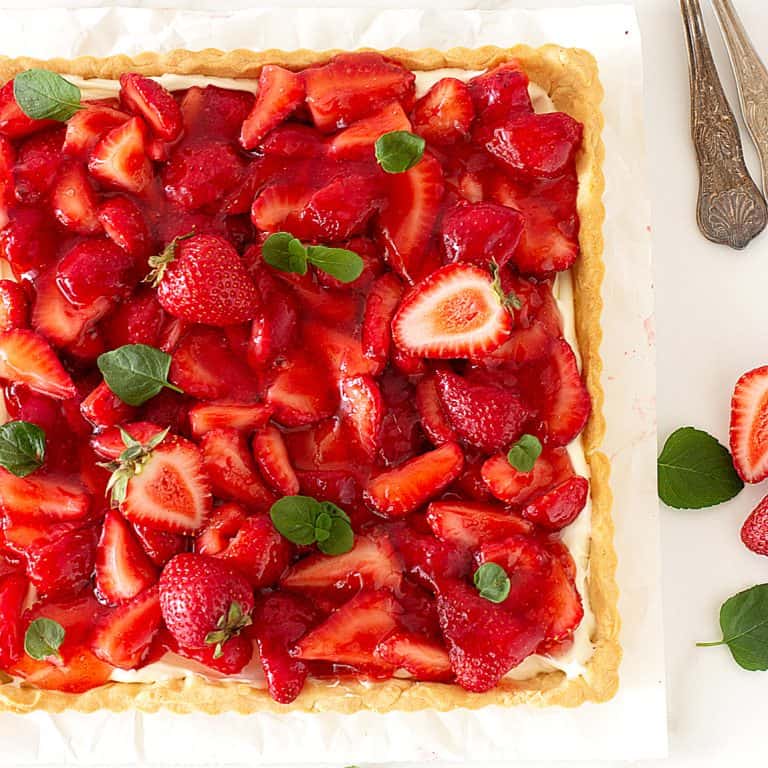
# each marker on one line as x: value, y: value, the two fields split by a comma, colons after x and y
x: 749, y: 425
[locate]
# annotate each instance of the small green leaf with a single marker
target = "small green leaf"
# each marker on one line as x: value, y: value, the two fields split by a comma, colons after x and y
x: 341, y: 538
x: 43, y: 639
x: 523, y: 454
x: 295, y: 517
x: 492, y: 582
x: 284, y: 252
x: 136, y: 372
x: 323, y: 526
x: 696, y: 471
x: 744, y: 624
x: 44, y: 95
x: 397, y: 151
x: 340, y: 263
x: 335, y: 511
x: 22, y: 447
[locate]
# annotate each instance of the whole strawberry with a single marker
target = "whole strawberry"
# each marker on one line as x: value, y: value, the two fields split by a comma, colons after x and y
x: 200, y: 278
x: 204, y: 601
x: 754, y: 532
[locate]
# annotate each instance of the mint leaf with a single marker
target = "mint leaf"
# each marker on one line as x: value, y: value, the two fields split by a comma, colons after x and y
x: 341, y: 538
x: 696, y: 471
x: 492, y: 582
x: 44, y: 95
x: 136, y: 372
x: 340, y: 263
x: 397, y: 151
x: 284, y: 252
x: 744, y: 624
x: 22, y: 447
x: 523, y: 454
x: 304, y: 520
x: 43, y: 638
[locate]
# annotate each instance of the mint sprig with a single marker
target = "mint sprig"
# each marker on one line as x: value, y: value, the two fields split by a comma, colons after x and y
x: 22, y: 447
x: 287, y: 253
x: 523, y: 454
x: 397, y: 151
x: 44, y: 95
x: 136, y: 372
x: 492, y: 582
x: 304, y: 521
x: 43, y: 639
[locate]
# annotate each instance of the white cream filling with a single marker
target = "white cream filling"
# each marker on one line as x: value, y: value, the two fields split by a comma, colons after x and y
x: 576, y: 536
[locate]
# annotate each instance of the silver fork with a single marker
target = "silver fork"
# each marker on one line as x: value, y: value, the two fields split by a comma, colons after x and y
x: 731, y: 210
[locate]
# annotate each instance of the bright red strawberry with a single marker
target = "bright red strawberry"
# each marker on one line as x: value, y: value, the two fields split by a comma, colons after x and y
x: 225, y: 521
x: 109, y: 443
x: 148, y: 99
x: 231, y: 470
x: 455, y: 312
x: 274, y: 326
x: 124, y: 637
x: 277, y: 202
x: 280, y: 93
x: 28, y: 243
x: 754, y: 532
x: 560, y: 505
x: 445, y: 113
x: 272, y: 457
x: 485, y: 416
x: 380, y: 307
x: 13, y: 122
x: 351, y: 633
x: 124, y: 224
x: 470, y: 524
x: 204, y: 600
x: 748, y: 435
x: 247, y: 418
x: 120, y: 160
x: 14, y: 306
x: 123, y: 569
x: 354, y: 85
x: 88, y: 126
x: 407, y: 223
x: 433, y: 419
x: 73, y: 200
x: 138, y: 320
x: 160, y: 546
x: 501, y: 94
x: 362, y: 409
x: 28, y: 358
x: 103, y: 408
x: 37, y: 163
x: 407, y: 487
x: 13, y: 592
x: 234, y: 656
x: 215, y: 111
x: 424, y: 658
x: 279, y: 620
x: 201, y: 279
x: 357, y: 141
x: 484, y: 641
x: 7, y: 159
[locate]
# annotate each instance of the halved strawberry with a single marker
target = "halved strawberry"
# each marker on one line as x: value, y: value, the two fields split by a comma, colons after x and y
x: 274, y: 326
x: 301, y: 393
x: 148, y: 99
x: 88, y: 126
x: 74, y: 201
x: 123, y: 569
x: 445, y: 113
x: 470, y: 524
x: 124, y: 224
x: 160, y: 546
x: 404, y: 489
x: 13, y: 592
x: 380, y: 308
x: 14, y: 306
x: 354, y: 85
x: 560, y: 505
x: 27, y: 357
x: 103, y: 408
x: 280, y: 93
x: 109, y: 443
x: 370, y: 564
x: 749, y: 427
x: 433, y: 419
x: 362, y: 409
x: 277, y: 202
x: 499, y: 95
x: 29, y: 241
x: 351, y: 633
x: 220, y: 528
x: 13, y: 122
x: 406, y: 224
x: 423, y: 658
x: 272, y: 457
x: 37, y: 162
x: 357, y: 141
x: 455, y: 312
x: 124, y: 637
x: 229, y: 465
x: 244, y: 417
x: 120, y: 159
x: 342, y: 351
x: 214, y: 111
x: 754, y: 531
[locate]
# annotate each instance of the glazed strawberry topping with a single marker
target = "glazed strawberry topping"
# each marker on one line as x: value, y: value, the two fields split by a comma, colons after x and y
x: 263, y: 375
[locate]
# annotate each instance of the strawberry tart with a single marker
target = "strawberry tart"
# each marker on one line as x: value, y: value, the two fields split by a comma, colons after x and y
x: 301, y: 382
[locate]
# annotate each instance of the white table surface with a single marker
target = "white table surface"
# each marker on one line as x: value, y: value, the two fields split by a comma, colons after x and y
x: 711, y: 316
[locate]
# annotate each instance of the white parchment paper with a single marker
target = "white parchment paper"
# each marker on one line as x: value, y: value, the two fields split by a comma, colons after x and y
x: 633, y: 725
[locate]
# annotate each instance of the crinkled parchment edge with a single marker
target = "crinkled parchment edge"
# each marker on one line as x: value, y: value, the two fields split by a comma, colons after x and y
x: 570, y: 77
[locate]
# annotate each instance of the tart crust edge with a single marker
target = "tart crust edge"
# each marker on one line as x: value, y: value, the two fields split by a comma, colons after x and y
x: 570, y: 77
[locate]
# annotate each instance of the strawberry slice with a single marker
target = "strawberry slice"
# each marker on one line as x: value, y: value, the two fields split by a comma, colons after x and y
x: 109, y: 443
x: 274, y: 326
x: 37, y: 162
x: 124, y: 637
x: 74, y: 201
x: 280, y: 93
x: 445, y: 113
x: 231, y: 469
x: 160, y: 546
x: 343, y: 351
x: 362, y: 408
x: 14, y: 124
x: 279, y: 620
x: 276, y: 203
x: 123, y: 569
x: 7, y: 159
x: 214, y: 111
x: 354, y: 85
x: 225, y: 521
x: 357, y: 141
x: 88, y: 126
x: 512, y: 486
x: 370, y: 564
x: 119, y: 159
x: 423, y: 658
x: 43, y: 496
x: 433, y: 419
x: 484, y: 641
x: 351, y: 633
x: 148, y: 99
x: 271, y: 455
x: 455, y: 312
x: 754, y: 532
x: 748, y: 433
x: 14, y: 307
x: 28, y: 242
x: 560, y: 505
x: 470, y: 524
x: 103, y: 408
x: 380, y: 306
x: 499, y: 95
x: 124, y: 224
x: 485, y: 416
x: 244, y: 417
x: 404, y: 489
x: 13, y: 592
x: 406, y: 224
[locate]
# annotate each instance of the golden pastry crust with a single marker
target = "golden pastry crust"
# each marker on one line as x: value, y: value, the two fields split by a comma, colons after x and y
x: 570, y: 77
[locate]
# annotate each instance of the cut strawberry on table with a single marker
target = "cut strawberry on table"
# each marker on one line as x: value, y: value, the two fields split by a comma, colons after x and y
x: 748, y: 434
x: 754, y: 532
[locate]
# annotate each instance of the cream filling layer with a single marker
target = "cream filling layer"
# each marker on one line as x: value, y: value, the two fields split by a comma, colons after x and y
x: 576, y: 536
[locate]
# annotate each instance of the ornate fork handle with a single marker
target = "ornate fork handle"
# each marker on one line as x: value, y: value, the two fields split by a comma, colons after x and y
x: 751, y: 78
x: 731, y: 210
